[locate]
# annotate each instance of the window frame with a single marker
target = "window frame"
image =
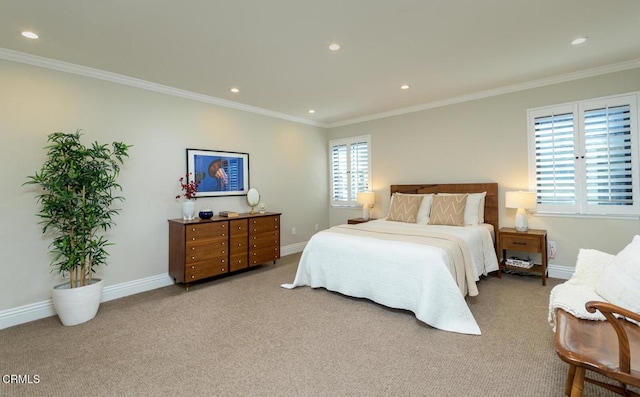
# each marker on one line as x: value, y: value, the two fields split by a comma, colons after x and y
x: 579, y: 109
x: 350, y: 202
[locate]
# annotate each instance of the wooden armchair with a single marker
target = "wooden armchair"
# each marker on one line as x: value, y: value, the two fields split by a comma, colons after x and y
x: 610, y: 348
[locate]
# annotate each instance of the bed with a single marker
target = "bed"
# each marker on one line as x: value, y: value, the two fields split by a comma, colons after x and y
x: 426, y: 264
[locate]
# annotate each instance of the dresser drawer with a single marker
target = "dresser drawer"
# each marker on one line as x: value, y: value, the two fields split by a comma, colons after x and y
x: 202, y: 252
x: 262, y: 255
x: 238, y: 262
x: 264, y: 224
x: 521, y: 243
x: 239, y: 227
x: 207, y: 230
x: 199, y: 270
x: 257, y: 240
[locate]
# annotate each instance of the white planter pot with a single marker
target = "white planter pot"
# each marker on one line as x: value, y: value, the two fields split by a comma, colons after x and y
x: 77, y: 305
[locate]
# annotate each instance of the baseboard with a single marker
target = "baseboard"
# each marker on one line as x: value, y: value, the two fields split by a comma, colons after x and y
x: 36, y: 311
x: 292, y: 249
x: 561, y: 272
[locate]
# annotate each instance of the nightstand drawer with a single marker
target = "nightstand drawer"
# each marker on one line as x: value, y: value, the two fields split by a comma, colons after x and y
x: 521, y: 243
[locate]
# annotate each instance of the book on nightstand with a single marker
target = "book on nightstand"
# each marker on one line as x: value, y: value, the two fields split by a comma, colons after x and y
x: 228, y: 214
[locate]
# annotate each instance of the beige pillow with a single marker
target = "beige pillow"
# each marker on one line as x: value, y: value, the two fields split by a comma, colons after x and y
x: 404, y: 208
x: 448, y: 210
x: 425, y: 206
x: 474, y: 210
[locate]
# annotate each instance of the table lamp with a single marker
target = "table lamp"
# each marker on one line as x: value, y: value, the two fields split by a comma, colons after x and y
x: 522, y: 201
x: 367, y: 199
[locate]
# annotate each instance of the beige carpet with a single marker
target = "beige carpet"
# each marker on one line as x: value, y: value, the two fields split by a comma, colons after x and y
x: 243, y: 335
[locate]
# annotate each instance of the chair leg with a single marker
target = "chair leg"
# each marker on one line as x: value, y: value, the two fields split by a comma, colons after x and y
x: 570, y: 374
x: 578, y: 383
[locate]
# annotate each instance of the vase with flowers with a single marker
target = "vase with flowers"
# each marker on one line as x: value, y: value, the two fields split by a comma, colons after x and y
x: 189, y: 190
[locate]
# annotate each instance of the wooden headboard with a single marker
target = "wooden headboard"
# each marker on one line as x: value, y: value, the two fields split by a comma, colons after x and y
x: 490, y: 202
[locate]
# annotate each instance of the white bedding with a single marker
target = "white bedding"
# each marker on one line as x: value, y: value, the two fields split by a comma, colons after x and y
x: 398, y: 274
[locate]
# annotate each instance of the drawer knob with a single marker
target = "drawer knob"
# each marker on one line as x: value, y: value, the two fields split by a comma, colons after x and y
x: 193, y: 248
x: 222, y: 261
x: 193, y: 267
x: 193, y: 257
x: 193, y: 276
x: 193, y: 238
x: 239, y: 227
x: 239, y: 244
x: 193, y: 229
x: 222, y: 234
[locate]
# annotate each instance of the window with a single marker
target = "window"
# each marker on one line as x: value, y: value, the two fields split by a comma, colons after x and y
x: 584, y: 157
x: 350, y: 160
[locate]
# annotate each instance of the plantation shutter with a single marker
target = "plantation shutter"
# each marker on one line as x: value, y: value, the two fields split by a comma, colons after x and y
x: 609, y: 157
x: 350, y: 169
x: 585, y: 157
x: 359, y: 168
x: 339, y: 180
x: 555, y: 169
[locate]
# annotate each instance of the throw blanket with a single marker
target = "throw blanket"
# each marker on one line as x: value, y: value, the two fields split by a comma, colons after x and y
x: 455, y: 247
x: 396, y: 274
x: 572, y: 295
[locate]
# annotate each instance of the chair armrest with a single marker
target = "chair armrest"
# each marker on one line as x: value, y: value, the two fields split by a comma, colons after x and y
x: 609, y: 310
x: 605, y: 307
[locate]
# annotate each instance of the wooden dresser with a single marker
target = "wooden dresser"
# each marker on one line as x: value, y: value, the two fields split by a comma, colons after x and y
x: 204, y: 248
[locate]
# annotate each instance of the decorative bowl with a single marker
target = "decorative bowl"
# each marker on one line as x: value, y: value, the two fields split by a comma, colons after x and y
x: 205, y: 214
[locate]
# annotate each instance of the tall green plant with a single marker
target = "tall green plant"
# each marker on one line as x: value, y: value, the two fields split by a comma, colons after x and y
x: 79, y: 184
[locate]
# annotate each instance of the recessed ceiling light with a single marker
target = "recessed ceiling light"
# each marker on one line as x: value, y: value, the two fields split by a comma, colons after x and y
x: 311, y: 111
x: 579, y: 40
x: 234, y: 89
x: 29, y: 35
x: 405, y: 86
x: 334, y: 47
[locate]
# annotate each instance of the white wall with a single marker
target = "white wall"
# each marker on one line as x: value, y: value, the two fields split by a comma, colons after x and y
x: 288, y: 165
x: 486, y: 141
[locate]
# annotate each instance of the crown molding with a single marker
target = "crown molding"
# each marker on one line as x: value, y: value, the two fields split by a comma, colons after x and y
x: 618, y: 67
x: 53, y: 64
x: 47, y: 63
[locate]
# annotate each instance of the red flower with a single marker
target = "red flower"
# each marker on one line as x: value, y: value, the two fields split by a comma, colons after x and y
x: 189, y: 188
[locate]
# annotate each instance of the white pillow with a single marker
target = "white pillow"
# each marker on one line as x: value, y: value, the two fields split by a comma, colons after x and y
x: 474, y: 211
x: 424, y: 210
x: 590, y: 267
x: 620, y: 282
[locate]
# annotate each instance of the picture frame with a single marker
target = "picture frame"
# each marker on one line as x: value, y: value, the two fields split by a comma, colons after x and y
x: 219, y: 173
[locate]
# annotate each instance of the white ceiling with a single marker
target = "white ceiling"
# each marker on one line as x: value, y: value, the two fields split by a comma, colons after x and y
x: 276, y: 51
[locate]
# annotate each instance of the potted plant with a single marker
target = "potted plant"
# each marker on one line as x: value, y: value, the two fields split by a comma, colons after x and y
x: 189, y: 189
x: 78, y: 189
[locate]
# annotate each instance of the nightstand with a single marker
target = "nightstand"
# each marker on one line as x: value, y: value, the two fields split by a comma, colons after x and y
x: 355, y: 221
x: 532, y: 241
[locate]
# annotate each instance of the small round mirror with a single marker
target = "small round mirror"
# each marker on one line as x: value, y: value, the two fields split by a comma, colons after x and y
x: 253, y: 198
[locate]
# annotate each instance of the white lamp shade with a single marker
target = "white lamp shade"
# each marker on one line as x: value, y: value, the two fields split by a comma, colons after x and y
x: 366, y: 198
x: 521, y: 200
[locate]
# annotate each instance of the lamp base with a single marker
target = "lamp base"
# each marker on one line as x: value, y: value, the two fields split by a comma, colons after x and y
x: 521, y: 220
x: 365, y: 213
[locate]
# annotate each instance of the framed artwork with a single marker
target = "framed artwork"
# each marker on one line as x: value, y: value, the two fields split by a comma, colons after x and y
x: 218, y: 173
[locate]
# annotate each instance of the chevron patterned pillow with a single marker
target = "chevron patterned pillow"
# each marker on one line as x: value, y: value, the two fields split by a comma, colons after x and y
x: 448, y: 210
x: 404, y: 208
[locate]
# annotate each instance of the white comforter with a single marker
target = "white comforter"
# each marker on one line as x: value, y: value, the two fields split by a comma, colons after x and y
x: 397, y: 273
